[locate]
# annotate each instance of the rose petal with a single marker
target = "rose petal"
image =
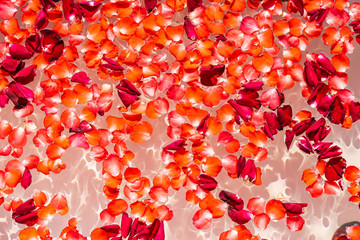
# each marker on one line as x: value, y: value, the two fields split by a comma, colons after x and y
x: 232, y: 199
x: 26, y: 75
x: 126, y: 224
x: 206, y: 182
x: 26, y: 179
x: 81, y: 77
x: 208, y: 75
x: 190, y: 29
x: 239, y: 216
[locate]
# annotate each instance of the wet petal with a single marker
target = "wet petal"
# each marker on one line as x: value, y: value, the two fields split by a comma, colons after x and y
x: 26, y: 179
x: 26, y: 75
x: 206, y: 182
x: 19, y: 52
x: 232, y: 199
x: 239, y: 216
x: 295, y: 223
x: 208, y: 75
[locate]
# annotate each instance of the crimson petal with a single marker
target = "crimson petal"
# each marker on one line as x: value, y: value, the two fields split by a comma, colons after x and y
x: 177, y: 145
x: 48, y: 4
x: 232, y: 199
x: 284, y: 115
x: 354, y: 108
x: 111, y: 64
x: 160, y: 235
x: 335, y: 168
x: 209, y: 74
x: 4, y: 99
x: 127, y: 99
x: 33, y: 44
x: 192, y: 4
x: 253, y: 85
x: 111, y: 230
x: 239, y: 216
x: 12, y: 66
x: 154, y: 228
x: 41, y: 21
x: 89, y: 8
x: 19, y: 52
x: 311, y: 77
x: 305, y: 145
x: 318, y: 94
x: 26, y: 179
x: 301, y: 127
x: 289, y: 136
x: 325, y: 64
x: 206, y: 182
x: 243, y: 111
x: 272, y: 122
x: 51, y: 44
x: 249, y: 171
x: 190, y: 29
x: 26, y: 75
x: 126, y: 224
x: 68, y: 9
x: 337, y: 111
x: 150, y: 5
x: 29, y: 219
x: 294, y: 208
x: 128, y: 87
x: 331, y: 152
x: 24, y: 208
x: 202, y: 128
x: 18, y: 94
x: 81, y: 77
x: 240, y: 164
x: 321, y: 147
x: 314, y: 129
x: 299, y: 4
x: 324, y: 104
x: 83, y: 127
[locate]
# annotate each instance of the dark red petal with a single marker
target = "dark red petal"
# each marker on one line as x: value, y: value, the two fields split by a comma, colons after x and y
x: 126, y: 224
x: 209, y: 74
x: 29, y: 219
x: 154, y: 228
x: 335, y: 168
x: 26, y: 75
x: 305, y: 145
x: 202, y: 128
x: 83, y: 127
x: 48, y: 4
x: 253, y: 85
x: 128, y: 87
x: 322, y: 147
x: 243, y: 111
x: 232, y: 199
x: 177, y: 145
x: 68, y: 7
x: 354, y: 108
x: 325, y: 64
x: 150, y: 5
x: 89, y: 8
x: 81, y: 77
x: 127, y: 99
x: 3, y: 99
x: 299, y: 4
x: 272, y: 122
x: 318, y: 94
x: 239, y: 216
x: 26, y: 179
x: 249, y: 171
x: 294, y: 208
x: 301, y: 127
x: 266, y: 129
x: 41, y: 21
x: 311, y: 77
x: 331, y: 152
x: 190, y: 29
x: 337, y: 111
x: 160, y: 235
x: 192, y: 4
x: 32, y: 43
x: 284, y: 115
x: 112, y: 230
x: 240, y: 164
x: 111, y: 64
x: 19, y: 52
x: 314, y: 129
x: 12, y: 66
x: 25, y: 207
x: 324, y: 104
x: 206, y: 182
